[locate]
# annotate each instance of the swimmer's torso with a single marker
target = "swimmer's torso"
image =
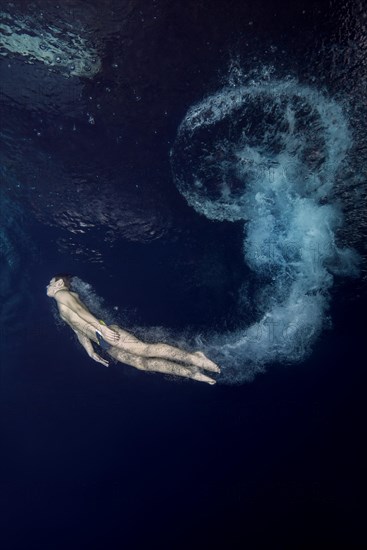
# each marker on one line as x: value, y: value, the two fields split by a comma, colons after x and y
x: 73, y: 319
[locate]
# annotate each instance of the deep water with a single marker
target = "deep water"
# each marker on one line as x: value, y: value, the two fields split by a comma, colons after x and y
x: 200, y: 168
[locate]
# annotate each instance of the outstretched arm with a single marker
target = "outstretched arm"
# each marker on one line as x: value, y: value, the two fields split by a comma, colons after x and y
x: 87, y: 345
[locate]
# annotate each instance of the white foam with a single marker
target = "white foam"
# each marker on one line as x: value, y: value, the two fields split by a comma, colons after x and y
x: 268, y: 153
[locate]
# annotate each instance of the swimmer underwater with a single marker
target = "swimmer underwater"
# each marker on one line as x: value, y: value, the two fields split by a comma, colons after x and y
x: 120, y: 344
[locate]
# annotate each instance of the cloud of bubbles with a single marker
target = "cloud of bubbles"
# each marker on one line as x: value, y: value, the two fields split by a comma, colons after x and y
x: 268, y: 154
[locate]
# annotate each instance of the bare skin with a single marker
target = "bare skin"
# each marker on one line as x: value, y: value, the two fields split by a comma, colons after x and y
x: 125, y: 347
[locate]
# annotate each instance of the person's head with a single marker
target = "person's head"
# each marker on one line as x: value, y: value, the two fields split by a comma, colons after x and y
x: 61, y: 281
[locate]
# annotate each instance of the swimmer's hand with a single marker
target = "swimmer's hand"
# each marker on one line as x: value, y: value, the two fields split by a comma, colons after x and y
x: 111, y: 336
x: 99, y: 359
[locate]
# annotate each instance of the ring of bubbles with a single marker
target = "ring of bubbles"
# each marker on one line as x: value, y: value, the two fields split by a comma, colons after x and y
x: 268, y: 153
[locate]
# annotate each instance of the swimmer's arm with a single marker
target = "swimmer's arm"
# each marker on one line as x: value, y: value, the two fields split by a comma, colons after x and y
x: 87, y: 345
x: 68, y: 300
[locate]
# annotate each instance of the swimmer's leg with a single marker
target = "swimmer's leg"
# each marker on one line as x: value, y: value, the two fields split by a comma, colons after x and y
x: 158, y: 365
x: 128, y: 342
x: 197, y: 359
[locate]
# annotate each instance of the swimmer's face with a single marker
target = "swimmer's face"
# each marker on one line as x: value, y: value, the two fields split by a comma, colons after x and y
x: 53, y: 286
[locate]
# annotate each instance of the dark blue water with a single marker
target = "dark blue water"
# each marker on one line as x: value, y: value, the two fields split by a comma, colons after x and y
x: 177, y: 157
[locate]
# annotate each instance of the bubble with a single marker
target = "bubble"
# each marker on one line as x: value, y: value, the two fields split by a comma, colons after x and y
x: 267, y: 154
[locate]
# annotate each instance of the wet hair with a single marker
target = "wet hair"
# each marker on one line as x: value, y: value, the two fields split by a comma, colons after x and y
x: 66, y: 277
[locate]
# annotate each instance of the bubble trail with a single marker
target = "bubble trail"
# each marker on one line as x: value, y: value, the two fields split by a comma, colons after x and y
x: 269, y: 154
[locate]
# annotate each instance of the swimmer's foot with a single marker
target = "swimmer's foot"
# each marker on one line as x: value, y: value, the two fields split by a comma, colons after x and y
x: 203, y: 378
x: 204, y: 363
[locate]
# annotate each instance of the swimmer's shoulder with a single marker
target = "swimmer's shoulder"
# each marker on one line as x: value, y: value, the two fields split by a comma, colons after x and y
x: 63, y: 295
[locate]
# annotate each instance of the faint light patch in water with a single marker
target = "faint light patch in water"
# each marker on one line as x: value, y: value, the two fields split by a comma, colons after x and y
x: 268, y: 153
x: 78, y: 250
x: 61, y: 49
